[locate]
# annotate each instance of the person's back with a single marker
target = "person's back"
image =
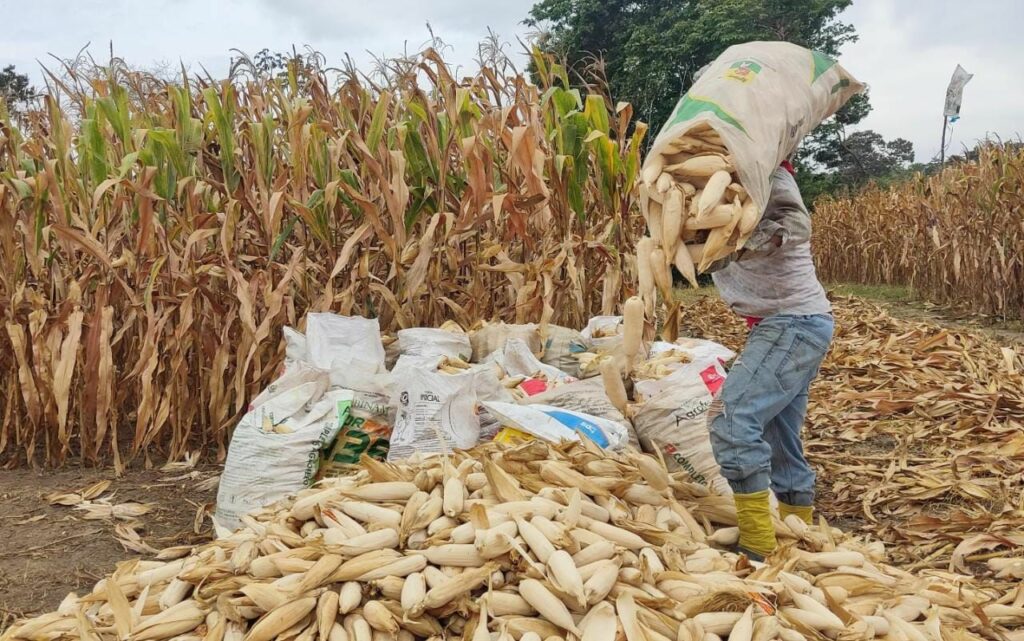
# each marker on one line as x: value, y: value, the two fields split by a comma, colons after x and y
x: 768, y: 279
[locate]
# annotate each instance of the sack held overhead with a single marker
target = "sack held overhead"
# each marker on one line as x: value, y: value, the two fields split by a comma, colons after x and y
x: 707, y: 178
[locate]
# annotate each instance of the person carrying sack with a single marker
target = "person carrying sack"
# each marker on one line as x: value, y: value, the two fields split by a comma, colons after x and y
x: 755, y: 420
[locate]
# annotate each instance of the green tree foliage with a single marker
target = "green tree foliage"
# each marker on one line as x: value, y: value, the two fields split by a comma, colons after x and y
x: 864, y: 155
x: 832, y: 160
x: 15, y: 88
x: 652, y: 48
x: 284, y: 66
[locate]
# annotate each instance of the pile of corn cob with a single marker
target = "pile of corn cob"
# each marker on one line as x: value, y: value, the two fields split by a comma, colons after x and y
x: 661, y: 365
x: 529, y: 543
x: 453, y: 365
x: 696, y: 210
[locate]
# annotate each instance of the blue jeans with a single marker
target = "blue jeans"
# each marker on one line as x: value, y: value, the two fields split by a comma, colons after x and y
x: 755, y: 421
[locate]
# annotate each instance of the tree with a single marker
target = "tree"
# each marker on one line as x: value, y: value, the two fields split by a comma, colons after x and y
x: 832, y: 160
x: 274, y: 64
x: 864, y: 155
x: 15, y: 89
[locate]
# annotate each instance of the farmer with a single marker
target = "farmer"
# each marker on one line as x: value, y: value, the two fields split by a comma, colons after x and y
x: 755, y: 421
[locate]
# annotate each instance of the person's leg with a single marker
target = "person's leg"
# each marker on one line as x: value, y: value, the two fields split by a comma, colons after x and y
x: 792, y: 477
x: 750, y: 397
x: 774, y: 368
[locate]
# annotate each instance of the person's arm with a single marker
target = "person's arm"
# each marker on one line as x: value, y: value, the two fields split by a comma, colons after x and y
x: 785, y: 221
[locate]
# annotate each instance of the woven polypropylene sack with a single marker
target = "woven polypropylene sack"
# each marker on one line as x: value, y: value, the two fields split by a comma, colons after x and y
x: 762, y: 98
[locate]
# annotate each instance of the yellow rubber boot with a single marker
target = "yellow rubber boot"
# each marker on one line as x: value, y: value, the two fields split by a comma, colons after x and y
x: 757, y: 533
x: 804, y: 512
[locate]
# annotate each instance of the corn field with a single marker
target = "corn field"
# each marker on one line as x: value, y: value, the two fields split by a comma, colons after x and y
x: 957, y: 237
x: 155, y: 236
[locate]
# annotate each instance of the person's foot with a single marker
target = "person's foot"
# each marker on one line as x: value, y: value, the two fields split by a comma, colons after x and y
x: 804, y: 512
x: 754, y: 517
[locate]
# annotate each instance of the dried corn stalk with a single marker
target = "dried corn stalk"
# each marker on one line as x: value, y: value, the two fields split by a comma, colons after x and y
x: 157, y: 236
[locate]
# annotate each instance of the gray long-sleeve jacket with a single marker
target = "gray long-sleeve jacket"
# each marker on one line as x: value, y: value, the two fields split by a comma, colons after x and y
x: 768, y: 279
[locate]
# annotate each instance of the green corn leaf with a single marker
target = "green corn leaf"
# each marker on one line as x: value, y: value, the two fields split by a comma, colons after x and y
x: 127, y: 163
x: 93, y: 149
x: 566, y: 101
x: 222, y: 115
x: 597, y: 113
x: 378, y: 121
x: 281, y: 238
x: 417, y: 110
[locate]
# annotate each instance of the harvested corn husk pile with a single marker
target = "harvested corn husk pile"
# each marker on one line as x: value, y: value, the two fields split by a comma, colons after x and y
x: 513, y: 383
x: 661, y: 364
x: 532, y: 542
x: 696, y: 211
x: 918, y: 434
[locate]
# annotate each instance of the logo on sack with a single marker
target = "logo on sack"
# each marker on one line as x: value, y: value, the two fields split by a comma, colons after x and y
x: 712, y: 379
x: 692, y: 411
x: 404, y: 398
x: 685, y: 463
x: 429, y: 397
x: 743, y: 71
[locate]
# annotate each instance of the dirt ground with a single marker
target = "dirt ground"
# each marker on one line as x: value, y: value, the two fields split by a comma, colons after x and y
x: 50, y: 550
x: 903, y: 303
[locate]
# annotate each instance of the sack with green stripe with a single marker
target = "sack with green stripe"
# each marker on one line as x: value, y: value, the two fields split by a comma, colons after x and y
x: 746, y: 113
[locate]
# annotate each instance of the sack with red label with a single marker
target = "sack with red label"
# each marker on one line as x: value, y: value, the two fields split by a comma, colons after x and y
x: 706, y: 364
x: 674, y: 423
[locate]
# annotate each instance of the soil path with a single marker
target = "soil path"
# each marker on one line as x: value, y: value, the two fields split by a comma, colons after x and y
x: 50, y: 550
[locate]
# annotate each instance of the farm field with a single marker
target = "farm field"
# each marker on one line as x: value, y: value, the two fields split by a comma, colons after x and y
x: 857, y: 437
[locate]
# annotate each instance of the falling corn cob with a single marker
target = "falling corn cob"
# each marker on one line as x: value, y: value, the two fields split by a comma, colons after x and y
x: 697, y: 211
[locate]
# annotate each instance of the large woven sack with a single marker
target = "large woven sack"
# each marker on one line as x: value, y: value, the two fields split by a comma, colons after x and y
x: 762, y: 98
x: 493, y: 336
x: 674, y: 424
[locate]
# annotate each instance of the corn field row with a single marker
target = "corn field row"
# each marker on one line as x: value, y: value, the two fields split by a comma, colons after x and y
x: 155, y: 236
x: 956, y: 238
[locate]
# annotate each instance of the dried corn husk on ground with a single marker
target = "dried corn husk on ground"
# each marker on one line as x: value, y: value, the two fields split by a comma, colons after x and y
x: 533, y: 541
x: 916, y: 430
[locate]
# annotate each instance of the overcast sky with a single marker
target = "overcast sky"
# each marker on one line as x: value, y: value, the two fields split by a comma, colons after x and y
x: 906, y: 53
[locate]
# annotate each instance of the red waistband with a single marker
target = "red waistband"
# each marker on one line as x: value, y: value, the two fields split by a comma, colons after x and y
x: 752, y: 321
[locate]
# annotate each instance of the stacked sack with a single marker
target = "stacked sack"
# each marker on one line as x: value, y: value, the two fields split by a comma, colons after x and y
x: 346, y: 393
